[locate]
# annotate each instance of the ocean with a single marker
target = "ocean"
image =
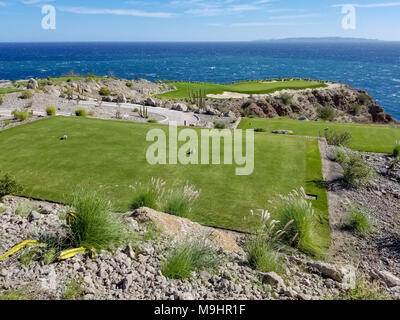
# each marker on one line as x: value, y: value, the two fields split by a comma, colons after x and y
x: 372, y: 66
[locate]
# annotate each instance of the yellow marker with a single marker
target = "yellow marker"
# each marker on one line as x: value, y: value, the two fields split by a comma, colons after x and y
x: 71, y: 253
x: 19, y: 247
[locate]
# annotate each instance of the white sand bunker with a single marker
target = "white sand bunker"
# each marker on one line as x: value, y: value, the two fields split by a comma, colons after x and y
x: 229, y: 95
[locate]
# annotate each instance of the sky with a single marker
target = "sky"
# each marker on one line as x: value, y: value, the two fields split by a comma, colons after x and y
x: 195, y: 20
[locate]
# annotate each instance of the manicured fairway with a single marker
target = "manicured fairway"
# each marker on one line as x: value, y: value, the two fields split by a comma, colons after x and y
x: 249, y: 87
x: 368, y: 138
x: 111, y: 156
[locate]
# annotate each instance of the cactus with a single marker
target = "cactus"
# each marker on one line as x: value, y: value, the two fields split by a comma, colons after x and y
x: 143, y: 112
x: 197, y: 97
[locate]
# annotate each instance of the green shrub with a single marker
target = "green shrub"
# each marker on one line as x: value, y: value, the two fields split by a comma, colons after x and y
x: 93, y: 225
x: 365, y: 290
x: 296, y: 212
x: 20, y: 115
x: 1, y: 99
x: 359, y: 220
x: 8, y: 186
x: 260, y: 130
x: 51, y: 111
x: 152, y: 121
x: 26, y: 95
x: 326, y: 113
x: 356, y: 172
x: 74, y: 290
x: 15, y: 295
x: 104, y: 91
x: 355, y: 109
x: 340, y: 156
x: 264, y: 255
x: 396, y: 152
x: 179, y: 202
x: 286, y: 98
x: 219, y: 125
x: 336, y: 138
x: 129, y: 84
x: 80, y: 113
x: 6, y: 122
x: 364, y: 98
x: 188, y: 257
x: 147, y: 195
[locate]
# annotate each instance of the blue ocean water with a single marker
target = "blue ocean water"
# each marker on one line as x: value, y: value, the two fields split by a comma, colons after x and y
x: 374, y: 67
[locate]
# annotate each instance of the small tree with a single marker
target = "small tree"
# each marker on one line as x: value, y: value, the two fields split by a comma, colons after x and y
x: 8, y: 186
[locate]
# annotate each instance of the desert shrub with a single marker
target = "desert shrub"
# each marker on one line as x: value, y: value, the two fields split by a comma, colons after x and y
x: 74, y: 290
x: 179, y: 202
x: 286, y: 98
x: 1, y: 99
x: 6, y: 122
x: 340, y: 155
x: 8, y: 186
x: 152, y: 121
x: 396, y: 152
x: 365, y: 290
x: 355, y: 109
x: 188, y: 257
x: 356, y: 172
x: 80, y: 113
x: 129, y: 84
x: 364, y: 98
x: 147, y: 195
x: 260, y: 130
x: 219, y: 125
x: 336, y: 138
x: 297, y: 217
x: 326, y: 113
x: 104, y: 91
x: 15, y: 295
x: 359, y: 221
x: 93, y: 225
x: 20, y: 115
x: 26, y: 95
x: 23, y: 209
x: 51, y: 111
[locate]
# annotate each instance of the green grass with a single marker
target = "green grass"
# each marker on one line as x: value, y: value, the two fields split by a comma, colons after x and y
x: 189, y: 257
x: 15, y: 295
x: 359, y: 220
x: 247, y: 87
x: 366, y: 138
x: 264, y: 256
x: 111, y: 156
x: 9, y: 90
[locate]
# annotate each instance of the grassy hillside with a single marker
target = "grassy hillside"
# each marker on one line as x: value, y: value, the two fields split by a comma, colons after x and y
x: 110, y: 156
x: 248, y: 87
x: 368, y: 138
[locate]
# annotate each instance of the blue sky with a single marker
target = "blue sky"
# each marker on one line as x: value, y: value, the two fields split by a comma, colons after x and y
x: 195, y: 20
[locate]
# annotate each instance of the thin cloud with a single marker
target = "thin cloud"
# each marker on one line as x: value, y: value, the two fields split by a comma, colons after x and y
x: 119, y: 12
x: 371, y: 5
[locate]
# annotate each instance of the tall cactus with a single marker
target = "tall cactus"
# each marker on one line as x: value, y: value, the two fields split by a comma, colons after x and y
x: 197, y: 97
x: 143, y: 112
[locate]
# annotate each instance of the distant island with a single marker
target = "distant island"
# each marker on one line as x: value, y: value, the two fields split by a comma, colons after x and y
x: 321, y: 39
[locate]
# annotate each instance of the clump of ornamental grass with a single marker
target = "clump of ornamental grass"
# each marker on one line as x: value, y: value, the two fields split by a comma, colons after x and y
x: 74, y: 290
x: 337, y: 138
x: 189, y: 256
x: 356, y: 172
x: 297, y: 217
x: 264, y: 248
x: 179, y: 202
x: 148, y: 194
x: 359, y: 221
x: 80, y: 113
x: 93, y: 225
x: 365, y: 290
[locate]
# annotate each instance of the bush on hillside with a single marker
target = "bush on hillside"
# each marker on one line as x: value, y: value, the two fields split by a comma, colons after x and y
x: 336, y: 138
x: 396, y: 152
x: 51, y: 111
x: 26, y: 95
x: 80, y: 113
x: 326, y: 113
x: 104, y: 91
x: 356, y: 172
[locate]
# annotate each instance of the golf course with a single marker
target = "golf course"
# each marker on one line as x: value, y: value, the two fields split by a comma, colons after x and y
x: 246, y: 87
x: 110, y: 156
x: 365, y: 138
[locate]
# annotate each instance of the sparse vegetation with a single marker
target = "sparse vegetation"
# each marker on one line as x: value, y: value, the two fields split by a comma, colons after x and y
x: 219, y: 125
x: 23, y: 209
x: 326, y: 113
x: 336, y: 138
x: 365, y: 290
x: 297, y: 217
x: 74, y: 290
x: 93, y: 224
x: 359, y: 220
x: 1, y: 99
x: 20, y: 115
x: 15, y: 295
x: 80, y: 113
x: 356, y: 172
x: 179, y: 202
x: 51, y: 111
x: 8, y: 186
x: 104, y: 91
x: 355, y: 109
x: 26, y: 95
x: 188, y: 257
x: 286, y: 98
x: 364, y: 98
